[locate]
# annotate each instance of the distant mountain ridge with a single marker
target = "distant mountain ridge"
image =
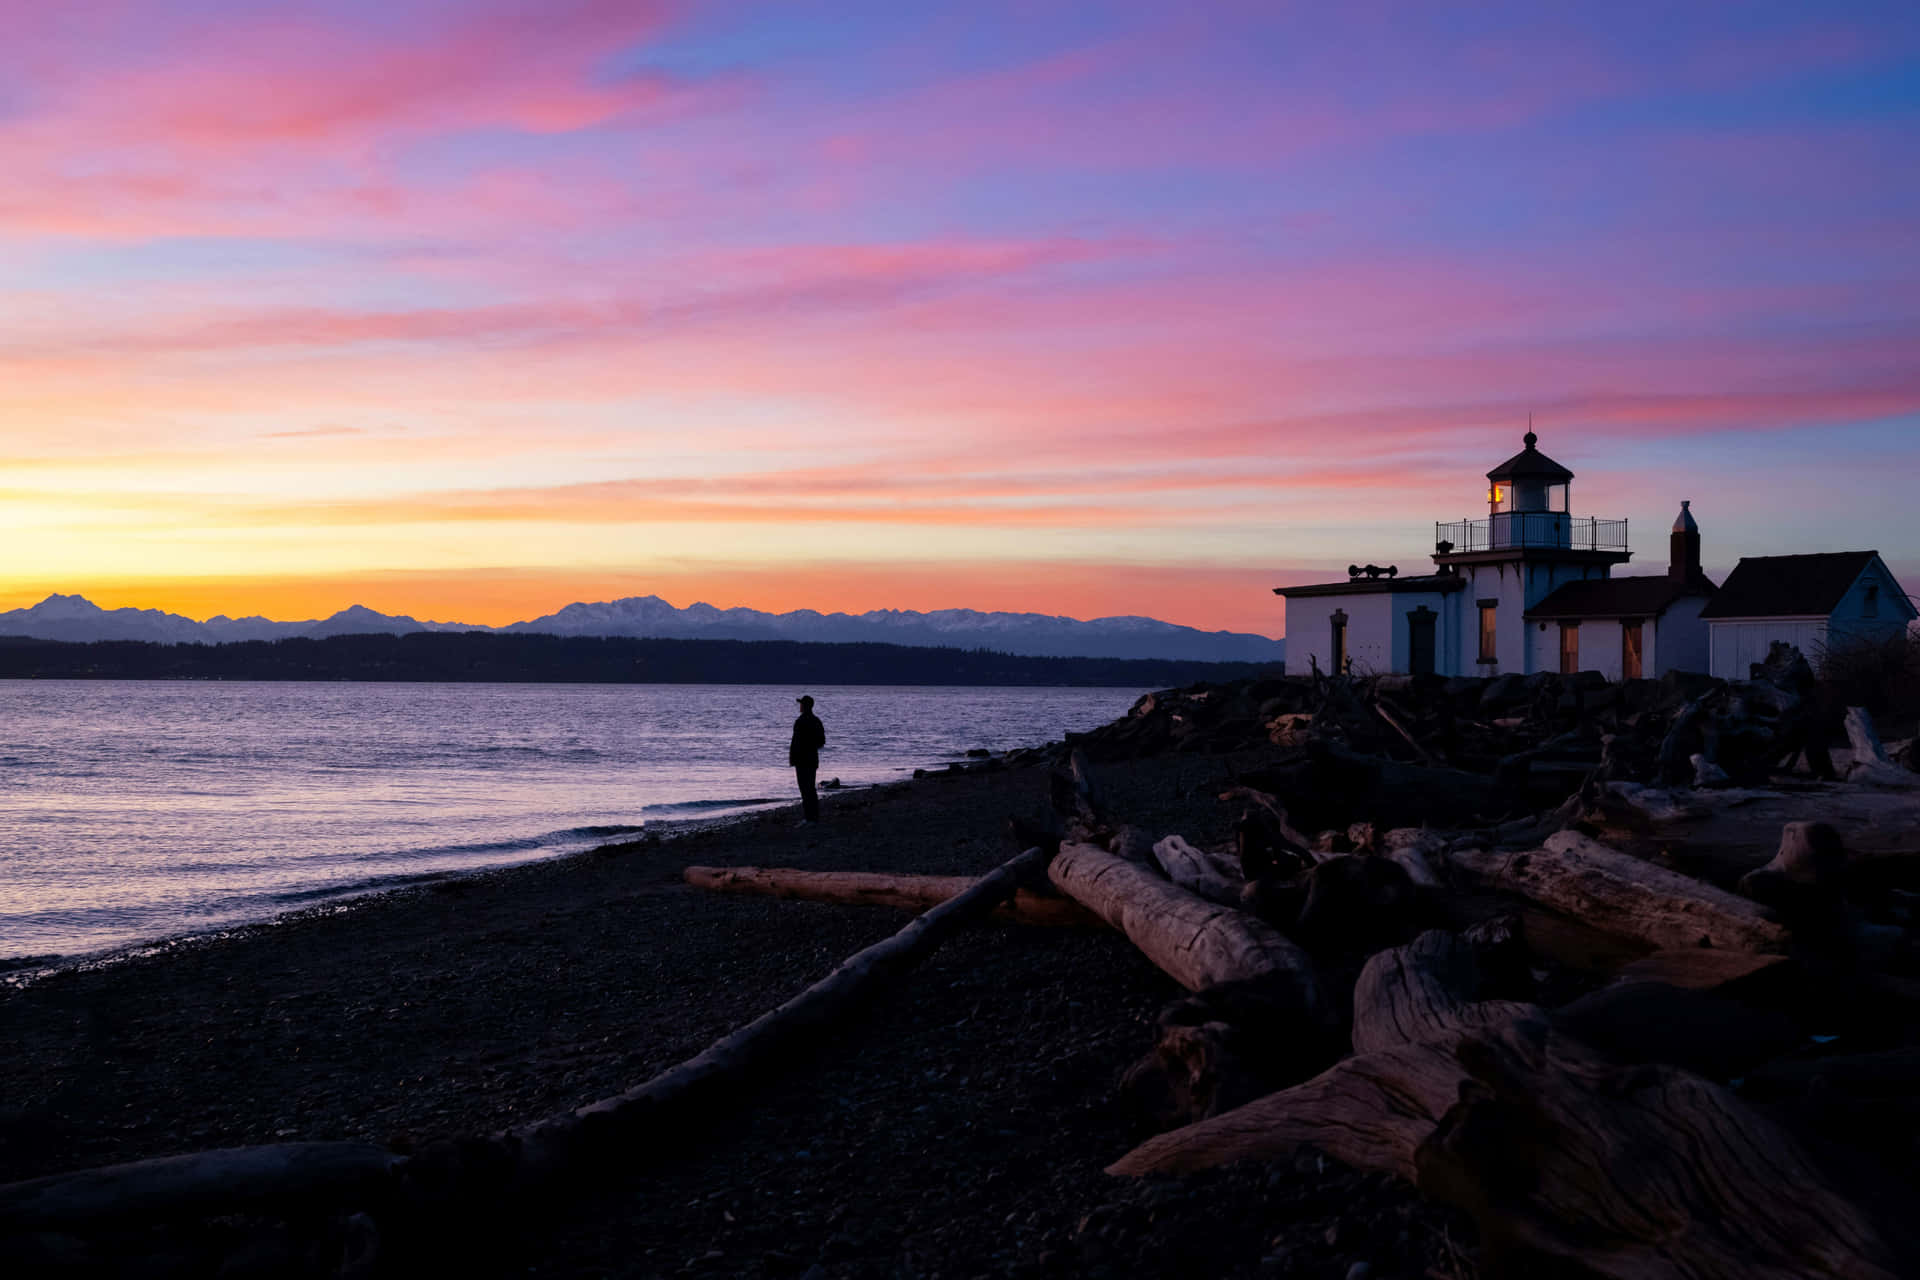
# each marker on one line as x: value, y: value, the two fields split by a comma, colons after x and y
x: 75, y: 618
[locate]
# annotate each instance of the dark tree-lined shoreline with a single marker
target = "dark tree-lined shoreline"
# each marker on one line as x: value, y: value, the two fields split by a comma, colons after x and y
x: 483, y: 657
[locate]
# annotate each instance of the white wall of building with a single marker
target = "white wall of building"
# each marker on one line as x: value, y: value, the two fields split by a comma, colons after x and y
x: 1850, y: 623
x: 1379, y: 637
x: 1515, y: 586
x: 1369, y: 632
x: 1603, y: 647
x: 1676, y: 639
x: 1739, y: 643
x: 1310, y: 634
x: 1502, y: 584
x: 1543, y: 646
x: 1682, y: 638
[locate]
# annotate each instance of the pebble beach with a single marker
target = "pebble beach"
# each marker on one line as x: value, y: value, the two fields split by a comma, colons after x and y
x: 958, y: 1128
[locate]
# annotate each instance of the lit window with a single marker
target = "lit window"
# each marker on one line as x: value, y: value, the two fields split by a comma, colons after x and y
x: 1489, y: 647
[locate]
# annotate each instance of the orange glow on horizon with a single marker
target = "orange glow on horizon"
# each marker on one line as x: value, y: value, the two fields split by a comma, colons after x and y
x: 1210, y: 598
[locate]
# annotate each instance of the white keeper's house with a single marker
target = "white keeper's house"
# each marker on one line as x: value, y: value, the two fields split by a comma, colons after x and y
x: 1530, y: 587
x: 1817, y: 603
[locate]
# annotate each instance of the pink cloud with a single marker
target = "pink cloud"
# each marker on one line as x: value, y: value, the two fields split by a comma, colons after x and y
x: 282, y: 79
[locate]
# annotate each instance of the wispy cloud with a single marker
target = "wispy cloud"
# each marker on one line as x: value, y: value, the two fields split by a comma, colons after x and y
x: 316, y: 433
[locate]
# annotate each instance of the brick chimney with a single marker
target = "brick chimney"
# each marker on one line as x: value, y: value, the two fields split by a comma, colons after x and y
x: 1683, y: 560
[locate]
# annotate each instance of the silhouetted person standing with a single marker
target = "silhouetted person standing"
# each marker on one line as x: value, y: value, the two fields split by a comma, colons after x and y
x: 809, y: 735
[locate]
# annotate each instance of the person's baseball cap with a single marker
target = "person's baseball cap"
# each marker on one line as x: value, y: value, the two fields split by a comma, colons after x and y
x: 804, y: 700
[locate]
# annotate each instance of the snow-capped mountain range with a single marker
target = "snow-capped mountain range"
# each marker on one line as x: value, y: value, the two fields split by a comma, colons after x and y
x: 74, y: 618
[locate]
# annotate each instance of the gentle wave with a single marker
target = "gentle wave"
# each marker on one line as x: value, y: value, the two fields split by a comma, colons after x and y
x: 707, y: 806
x: 354, y: 888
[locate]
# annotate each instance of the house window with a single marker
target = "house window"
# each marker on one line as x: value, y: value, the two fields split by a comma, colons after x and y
x: 1340, y: 660
x: 1630, y: 651
x: 1872, y: 607
x: 1489, y: 637
x: 1569, y: 648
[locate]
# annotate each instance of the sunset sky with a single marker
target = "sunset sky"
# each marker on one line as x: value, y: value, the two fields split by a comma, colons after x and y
x: 468, y: 310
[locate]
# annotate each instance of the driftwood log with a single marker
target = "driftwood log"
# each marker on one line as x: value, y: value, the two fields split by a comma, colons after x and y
x: 1300, y: 840
x: 1871, y: 763
x: 1423, y: 991
x: 1197, y: 943
x: 1198, y: 871
x: 1398, y: 725
x: 1419, y: 852
x: 1701, y: 968
x: 1570, y: 1165
x: 870, y: 888
x: 1723, y: 834
x: 1620, y: 894
x: 1370, y: 1112
x: 315, y: 1175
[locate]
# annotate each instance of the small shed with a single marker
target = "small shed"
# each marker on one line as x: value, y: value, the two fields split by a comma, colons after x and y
x: 1818, y: 603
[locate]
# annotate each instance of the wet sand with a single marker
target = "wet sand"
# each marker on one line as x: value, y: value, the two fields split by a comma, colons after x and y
x: 959, y: 1129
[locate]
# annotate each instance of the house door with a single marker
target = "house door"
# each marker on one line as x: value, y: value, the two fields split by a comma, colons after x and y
x: 1339, y: 642
x: 1630, y: 650
x: 1569, y: 648
x: 1420, y: 641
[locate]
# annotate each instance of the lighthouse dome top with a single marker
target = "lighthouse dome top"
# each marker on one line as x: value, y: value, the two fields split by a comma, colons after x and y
x: 1531, y: 464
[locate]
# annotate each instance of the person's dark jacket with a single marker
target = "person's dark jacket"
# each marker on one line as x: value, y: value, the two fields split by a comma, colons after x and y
x: 809, y: 735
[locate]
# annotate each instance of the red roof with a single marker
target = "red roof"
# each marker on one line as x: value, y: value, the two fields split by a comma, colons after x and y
x: 1641, y: 597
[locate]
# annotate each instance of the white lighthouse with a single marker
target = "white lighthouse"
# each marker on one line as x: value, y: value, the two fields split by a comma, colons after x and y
x: 1469, y: 616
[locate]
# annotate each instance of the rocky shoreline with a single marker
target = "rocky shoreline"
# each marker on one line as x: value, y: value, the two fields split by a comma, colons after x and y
x: 960, y: 1129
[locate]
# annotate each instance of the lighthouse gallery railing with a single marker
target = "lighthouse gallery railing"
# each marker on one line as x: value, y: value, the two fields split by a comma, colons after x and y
x: 1533, y: 529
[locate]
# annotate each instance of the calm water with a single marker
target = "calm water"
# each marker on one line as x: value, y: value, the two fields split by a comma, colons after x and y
x: 132, y: 811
